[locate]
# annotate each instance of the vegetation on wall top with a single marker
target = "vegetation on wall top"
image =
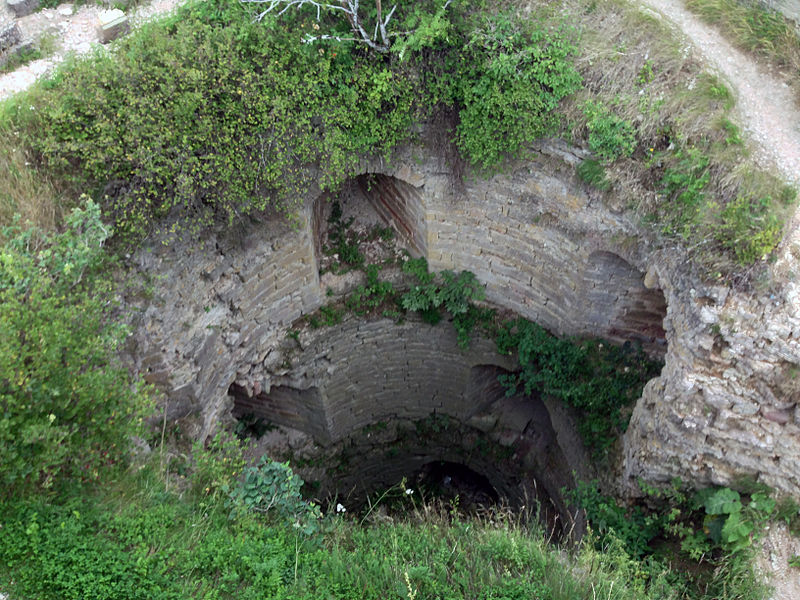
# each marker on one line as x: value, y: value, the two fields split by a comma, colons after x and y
x: 207, y: 115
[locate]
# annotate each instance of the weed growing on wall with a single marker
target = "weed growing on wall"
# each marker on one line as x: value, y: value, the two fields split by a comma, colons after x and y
x: 453, y: 292
x: 714, y: 529
x: 342, y: 242
x: 374, y: 294
x: 610, y: 137
x: 599, y: 380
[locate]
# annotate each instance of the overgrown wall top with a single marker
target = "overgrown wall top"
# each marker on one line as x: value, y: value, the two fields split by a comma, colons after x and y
x: 546, y: 249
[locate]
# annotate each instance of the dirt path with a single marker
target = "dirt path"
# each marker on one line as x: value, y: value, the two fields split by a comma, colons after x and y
x: 765, y: 106
x: 74, y: 30
x: 770, y: 118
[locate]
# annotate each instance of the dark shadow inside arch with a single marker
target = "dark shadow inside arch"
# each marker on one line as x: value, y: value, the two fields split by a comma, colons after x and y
x: 456, y: 483
x: 299, y: 409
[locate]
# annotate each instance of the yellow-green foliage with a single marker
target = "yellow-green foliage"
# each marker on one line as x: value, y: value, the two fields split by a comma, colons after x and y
x: 68, y: 407
x: 208, y: 115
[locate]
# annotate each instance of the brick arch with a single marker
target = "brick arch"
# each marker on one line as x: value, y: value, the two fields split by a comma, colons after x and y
x: 394, y: 202
x: 365, y: 391
x: 617, y: 302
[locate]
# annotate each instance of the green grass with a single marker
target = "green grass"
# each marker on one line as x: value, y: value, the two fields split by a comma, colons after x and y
x: 753, y: 27
x: 145, y: 534
x: 729, y: 214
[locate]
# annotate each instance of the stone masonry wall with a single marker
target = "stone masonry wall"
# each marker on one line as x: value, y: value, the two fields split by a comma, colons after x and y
x: 392, y: 397
x: 400, y: 205
x: 725, y: 404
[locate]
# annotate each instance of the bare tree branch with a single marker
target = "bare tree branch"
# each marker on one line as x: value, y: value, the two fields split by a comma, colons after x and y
x: 350, y: 10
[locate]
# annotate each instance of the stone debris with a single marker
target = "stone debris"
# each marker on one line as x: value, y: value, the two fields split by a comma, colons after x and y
x: 75, y: 29
x: 111, y: 25
x: 10, y: 38
x: 23, y: 8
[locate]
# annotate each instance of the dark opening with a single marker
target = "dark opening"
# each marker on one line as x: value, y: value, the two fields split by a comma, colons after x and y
x: 454, y: 482
x: 256, y: 410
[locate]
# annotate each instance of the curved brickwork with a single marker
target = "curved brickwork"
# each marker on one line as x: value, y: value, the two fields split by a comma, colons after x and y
x: 388, y: 398
x: 217, y: 311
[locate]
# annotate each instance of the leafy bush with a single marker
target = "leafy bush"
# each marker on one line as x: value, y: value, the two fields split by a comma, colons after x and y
x: 608, y: 518
x: 728, y: 521
x: 453, y: 292
x: 684, y: 184
x: 207, y: 115
x: 69, y: 408
x: 272, y: 487
x: 714, y: 527
x: 512, y: 77
x: 592, y: 172
x: 747, y: 227
x: 367, y: 298
x: 609, y: 135
x: 214, y: 118
x: 218, y: 465
x: 750, y: 229
x: 598, y: 379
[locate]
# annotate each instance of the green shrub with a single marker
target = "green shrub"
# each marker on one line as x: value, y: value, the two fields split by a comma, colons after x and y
x: 214, y: 118
x: 750, y: 228
x: 367, y: 298
x: 447, y: 290
x: 272, y: 487
x: 608, y: 518
x: 208, y: 116
x: 596, y: 378
x: 69, y: 408
x: 218, y: 464
x: 592, y: 172
x: 513, y: 75
x: 610, y: 136
x: 684, y: 186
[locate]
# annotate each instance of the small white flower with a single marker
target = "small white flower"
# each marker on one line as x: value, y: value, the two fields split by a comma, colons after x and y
x: 340, y: 508
x: 409, y: 491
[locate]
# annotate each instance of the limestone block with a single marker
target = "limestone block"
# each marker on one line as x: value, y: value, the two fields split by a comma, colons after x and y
x: 10, y: 36
x: 111, y: 25
x: 22, y: 8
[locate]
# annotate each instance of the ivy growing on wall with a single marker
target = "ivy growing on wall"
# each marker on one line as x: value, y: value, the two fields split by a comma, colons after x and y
x: 598, y: 379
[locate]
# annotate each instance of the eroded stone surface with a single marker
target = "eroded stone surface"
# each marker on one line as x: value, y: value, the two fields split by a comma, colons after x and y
x: 10, y: 37
x: 22, y: 8
x: 724, y: 406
